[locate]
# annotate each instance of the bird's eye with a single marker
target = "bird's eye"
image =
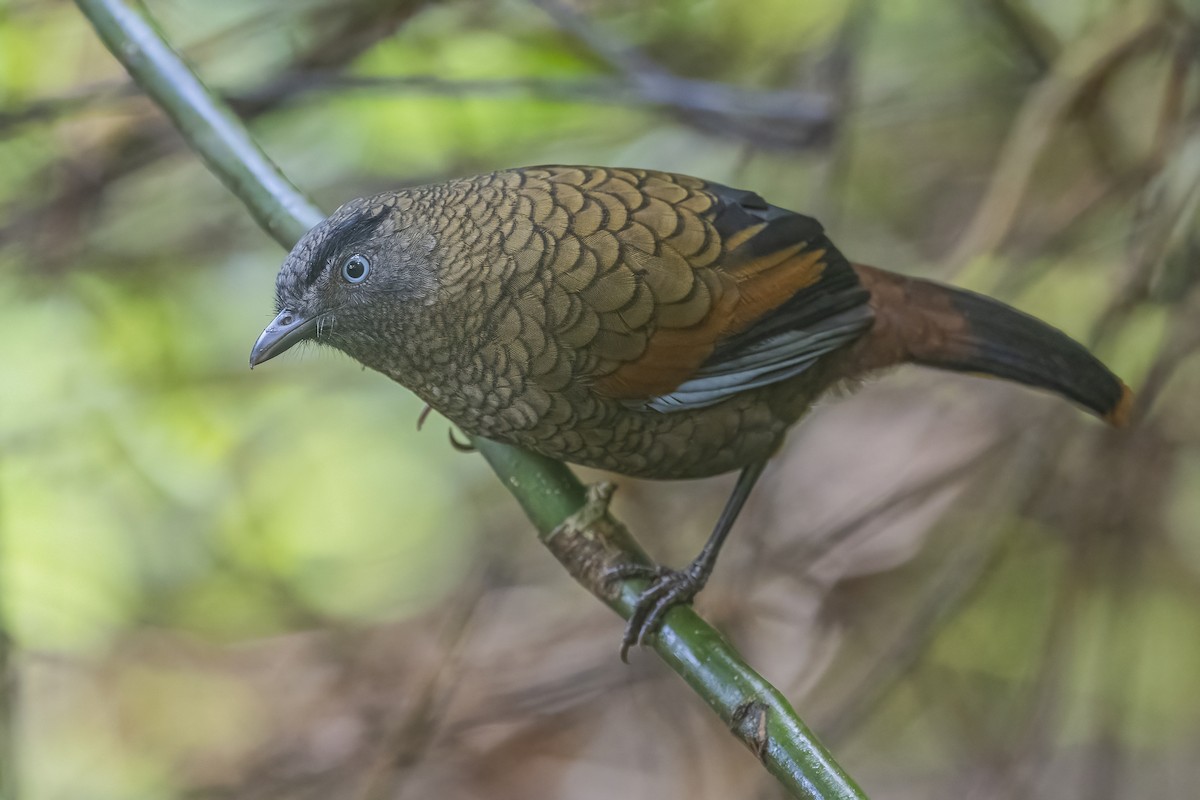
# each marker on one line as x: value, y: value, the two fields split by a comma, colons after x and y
x: 355, y: 268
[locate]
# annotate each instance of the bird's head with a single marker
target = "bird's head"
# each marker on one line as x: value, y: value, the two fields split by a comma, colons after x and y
x: 348, y: 281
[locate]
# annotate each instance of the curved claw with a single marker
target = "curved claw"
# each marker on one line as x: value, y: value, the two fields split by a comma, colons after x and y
x: 627, y: 570
x: 668, y: 588
x: 424, y: 413
x: 462, y: 447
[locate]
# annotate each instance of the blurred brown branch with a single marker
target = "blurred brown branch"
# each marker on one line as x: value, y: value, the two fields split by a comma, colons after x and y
x: 82, y: 179
x: 942, y: 597
x: 769, y: 118
x: 1028, y: 32
x: 1080, y: 69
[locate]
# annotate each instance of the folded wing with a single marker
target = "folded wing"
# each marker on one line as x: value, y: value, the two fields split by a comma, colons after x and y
x: 701, y: 291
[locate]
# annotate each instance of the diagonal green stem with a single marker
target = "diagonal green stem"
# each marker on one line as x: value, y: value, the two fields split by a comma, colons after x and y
x: 209, y: 126
x: 573, y: 523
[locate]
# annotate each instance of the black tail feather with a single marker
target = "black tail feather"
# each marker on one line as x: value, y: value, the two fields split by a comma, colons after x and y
x: 1001, y: 341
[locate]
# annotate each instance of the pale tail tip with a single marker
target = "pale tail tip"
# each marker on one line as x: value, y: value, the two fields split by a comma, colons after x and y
x: 1119, y: 416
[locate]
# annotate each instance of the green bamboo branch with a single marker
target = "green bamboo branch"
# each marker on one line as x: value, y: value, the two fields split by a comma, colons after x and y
x: 572, y: 522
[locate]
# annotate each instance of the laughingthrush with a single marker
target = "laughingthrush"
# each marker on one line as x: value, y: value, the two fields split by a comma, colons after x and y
x: 642, y: 322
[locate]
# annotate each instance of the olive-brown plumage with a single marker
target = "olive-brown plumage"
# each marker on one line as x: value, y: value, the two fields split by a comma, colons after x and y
x: 642, y: 322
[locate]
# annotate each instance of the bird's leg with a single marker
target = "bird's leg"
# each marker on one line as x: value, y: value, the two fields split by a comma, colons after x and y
x: 670, y: 587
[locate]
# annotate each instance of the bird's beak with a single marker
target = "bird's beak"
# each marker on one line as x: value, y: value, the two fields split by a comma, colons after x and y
x: 283, y: 332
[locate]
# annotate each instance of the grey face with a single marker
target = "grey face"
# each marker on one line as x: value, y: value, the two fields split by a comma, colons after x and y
x: 349, y: 274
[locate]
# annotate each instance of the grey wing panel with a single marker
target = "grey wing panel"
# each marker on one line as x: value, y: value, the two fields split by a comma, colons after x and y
x: 778, y: 357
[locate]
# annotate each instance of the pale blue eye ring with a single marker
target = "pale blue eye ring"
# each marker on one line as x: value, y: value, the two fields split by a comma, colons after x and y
x: 355, y: 268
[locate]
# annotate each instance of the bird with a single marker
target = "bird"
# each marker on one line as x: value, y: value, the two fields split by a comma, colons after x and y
x: 646, y: 323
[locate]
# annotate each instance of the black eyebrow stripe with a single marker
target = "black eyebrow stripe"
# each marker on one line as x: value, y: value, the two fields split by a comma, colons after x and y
x: 354, y: 229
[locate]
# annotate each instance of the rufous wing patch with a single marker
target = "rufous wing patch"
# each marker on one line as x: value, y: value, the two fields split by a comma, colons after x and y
x: 767, y: 284
x: 673, y: 355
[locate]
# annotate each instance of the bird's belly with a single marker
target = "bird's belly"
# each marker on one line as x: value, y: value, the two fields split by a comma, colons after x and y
x: 606, y: 434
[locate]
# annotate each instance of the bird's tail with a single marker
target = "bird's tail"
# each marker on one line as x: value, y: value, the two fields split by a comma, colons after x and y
x: 926, y: 323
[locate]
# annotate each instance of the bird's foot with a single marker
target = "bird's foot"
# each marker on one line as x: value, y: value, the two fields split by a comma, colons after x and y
x: 668, y: 588
x: 460, y: 446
